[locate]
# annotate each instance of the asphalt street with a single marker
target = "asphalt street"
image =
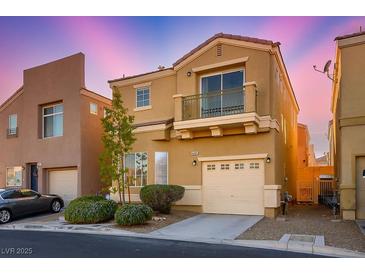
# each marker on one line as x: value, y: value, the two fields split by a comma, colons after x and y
x: 40, y: 244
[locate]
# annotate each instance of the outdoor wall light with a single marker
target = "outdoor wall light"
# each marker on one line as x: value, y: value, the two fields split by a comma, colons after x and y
x: 268, y: 160
x: 188, y: 73
x: 194, y: 163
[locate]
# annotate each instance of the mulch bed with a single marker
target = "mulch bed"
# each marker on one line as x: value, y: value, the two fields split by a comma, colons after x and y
x: 309, y: 220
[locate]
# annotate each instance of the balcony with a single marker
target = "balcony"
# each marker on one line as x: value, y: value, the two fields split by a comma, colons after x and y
x: 213, y: 104
x: 219, y: 113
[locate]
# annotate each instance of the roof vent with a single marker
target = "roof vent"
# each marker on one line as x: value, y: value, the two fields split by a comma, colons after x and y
x: 160, y: 67
x: 219, y: 50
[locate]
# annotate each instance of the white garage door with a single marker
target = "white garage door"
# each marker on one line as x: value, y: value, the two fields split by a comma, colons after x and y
x: 234, y: 187
x: 63, y: 183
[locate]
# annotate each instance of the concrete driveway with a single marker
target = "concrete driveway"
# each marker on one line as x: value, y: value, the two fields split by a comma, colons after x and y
x: 38, y: 218
x: 209, y: 226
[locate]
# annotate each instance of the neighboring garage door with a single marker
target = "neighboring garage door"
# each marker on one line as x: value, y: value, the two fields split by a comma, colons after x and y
x: 234, y: 187
x: 63, y: 183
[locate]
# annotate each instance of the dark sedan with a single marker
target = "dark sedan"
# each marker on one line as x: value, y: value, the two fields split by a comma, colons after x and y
x: 16, y: 203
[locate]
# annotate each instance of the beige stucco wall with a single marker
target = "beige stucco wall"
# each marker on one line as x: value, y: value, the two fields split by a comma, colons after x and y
x: 348, y: 119
x: 161, y: 92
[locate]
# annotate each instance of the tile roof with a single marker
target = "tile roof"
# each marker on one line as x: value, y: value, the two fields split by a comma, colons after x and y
x: 227, y: 36
x: 138, y: 75
x: 216, y: 36
x: 350, y: 35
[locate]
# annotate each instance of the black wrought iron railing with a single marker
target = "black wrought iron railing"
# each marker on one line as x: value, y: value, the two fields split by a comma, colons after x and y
x: 213, y: 104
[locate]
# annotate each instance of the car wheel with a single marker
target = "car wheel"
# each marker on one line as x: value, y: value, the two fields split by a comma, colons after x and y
x: 5, y: 216
x: 56, y: 206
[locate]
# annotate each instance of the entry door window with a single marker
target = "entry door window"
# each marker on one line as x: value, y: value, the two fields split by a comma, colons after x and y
x: 53, y: 121
x: 161, y: 168
x: 222, y: 94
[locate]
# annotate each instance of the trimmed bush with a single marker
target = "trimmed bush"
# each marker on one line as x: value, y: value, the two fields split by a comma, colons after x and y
x: 88, y: 198
x: 161, y: 197
x: 90, y: 210
x: 132, y: 214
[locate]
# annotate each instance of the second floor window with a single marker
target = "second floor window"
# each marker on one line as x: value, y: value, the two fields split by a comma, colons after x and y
x: 94, y: 108
x: 13, y: 124
x: 52, y: 118
x: 143, y: 97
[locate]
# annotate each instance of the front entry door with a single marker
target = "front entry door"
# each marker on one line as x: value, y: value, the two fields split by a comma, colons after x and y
x: 34, y: 177
x: 360, y: 187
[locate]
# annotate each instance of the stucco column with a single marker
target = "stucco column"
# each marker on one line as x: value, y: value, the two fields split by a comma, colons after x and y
x: 348, y: 201
x: 250, y: 96
x: 178, y: 107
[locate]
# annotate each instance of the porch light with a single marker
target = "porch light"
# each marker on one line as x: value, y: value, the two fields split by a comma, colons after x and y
x: 268, y: 160
x: 194, y: 163
x: 188, y: 73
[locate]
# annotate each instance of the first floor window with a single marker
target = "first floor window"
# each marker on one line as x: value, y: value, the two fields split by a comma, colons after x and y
x: 13, y: 124
x: 52, y: 121
x: 136, y: 165
x: 14, y: 176
x: 161, y: 168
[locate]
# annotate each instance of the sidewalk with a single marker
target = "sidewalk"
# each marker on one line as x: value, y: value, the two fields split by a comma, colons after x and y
x: 107, y: 229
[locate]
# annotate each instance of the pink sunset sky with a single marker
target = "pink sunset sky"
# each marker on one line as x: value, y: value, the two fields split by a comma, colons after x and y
x: 130, y: 45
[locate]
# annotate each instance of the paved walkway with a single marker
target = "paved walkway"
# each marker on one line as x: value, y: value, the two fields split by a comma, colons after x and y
x: 210, y: 226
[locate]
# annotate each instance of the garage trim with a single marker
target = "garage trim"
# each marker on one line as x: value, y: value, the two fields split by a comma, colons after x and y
x: 233, y: 157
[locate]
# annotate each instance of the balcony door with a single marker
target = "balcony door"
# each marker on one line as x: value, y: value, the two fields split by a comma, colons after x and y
x: 222, y: 94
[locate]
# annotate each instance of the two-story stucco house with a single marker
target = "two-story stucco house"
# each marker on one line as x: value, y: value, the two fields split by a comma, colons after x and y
x: 50, y: 137
x: 347, y: 129
x: 222, y: 122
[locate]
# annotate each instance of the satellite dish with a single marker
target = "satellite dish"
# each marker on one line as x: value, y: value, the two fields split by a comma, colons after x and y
x: 326, y: 69
x: 327, y: 66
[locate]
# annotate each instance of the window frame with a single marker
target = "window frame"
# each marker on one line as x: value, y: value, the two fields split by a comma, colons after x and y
x: 90, y: 110
x: 7, y: 177
x: 241, y: 69
x: 149, y: 98
x: 53, y: 114
x: 221, y: 73
x: 10, y: 132
x: 167, y: 167
x: 135, y: 170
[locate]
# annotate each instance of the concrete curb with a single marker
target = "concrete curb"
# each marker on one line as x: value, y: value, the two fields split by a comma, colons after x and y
x: 264, y: 244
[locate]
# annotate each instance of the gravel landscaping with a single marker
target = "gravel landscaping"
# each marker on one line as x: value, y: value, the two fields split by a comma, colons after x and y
x: 162, y: 220
x: 310, y: 220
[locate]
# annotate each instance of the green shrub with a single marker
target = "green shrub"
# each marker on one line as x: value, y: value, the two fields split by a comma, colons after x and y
x: 90, y: 210
x: 161, y: 197
x: 132, y: 214
x: 89, y: 198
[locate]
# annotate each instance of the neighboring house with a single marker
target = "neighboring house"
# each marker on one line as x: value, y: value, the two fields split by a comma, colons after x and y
x: 311, y: 156
x: 222, y: 122
x: 304, y: 148
x: 348, y: 136
x: 50, y: 135
x: 323, y: 160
